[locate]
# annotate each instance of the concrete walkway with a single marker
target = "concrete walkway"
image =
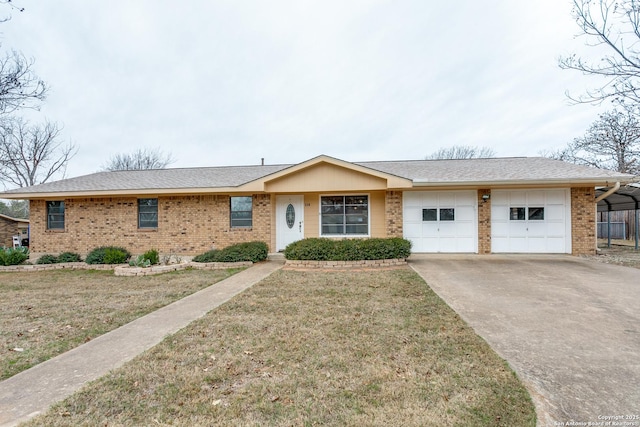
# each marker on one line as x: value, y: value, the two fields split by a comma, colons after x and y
x: 32, y: 391
x: 569, y: 327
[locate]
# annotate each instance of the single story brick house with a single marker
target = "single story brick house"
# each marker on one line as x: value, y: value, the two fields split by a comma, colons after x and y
x: 495, y: 205
x: 13, y: 227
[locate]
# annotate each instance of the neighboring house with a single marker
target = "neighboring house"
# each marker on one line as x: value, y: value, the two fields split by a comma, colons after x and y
x: 11, y: 227
x: 527, y: 205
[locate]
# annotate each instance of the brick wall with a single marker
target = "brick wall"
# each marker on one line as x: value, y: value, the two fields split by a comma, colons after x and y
x: 484, y: 222
x: 583, y: 221
x: 8, y: 229
x: 393, y: 213
x: 187, y: 225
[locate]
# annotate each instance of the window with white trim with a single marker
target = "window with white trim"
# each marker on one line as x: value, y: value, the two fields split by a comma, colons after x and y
x: 344, y: 215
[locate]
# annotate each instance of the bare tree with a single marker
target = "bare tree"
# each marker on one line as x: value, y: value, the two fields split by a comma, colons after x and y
x: 15, y: 208
x: 32, y: 154
x: 611, y: 142
x: 613, y: 25
x: 141, y: 159
x: 461, y: 152
x: 19, y: 85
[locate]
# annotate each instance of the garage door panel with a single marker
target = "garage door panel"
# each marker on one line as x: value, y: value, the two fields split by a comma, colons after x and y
x: 412, y: 230
x: 465, y: 213
x: 556, y: 244
x: 549, y: 234
x: 554, y: 212
x: 411, y: 200
x: 413, y: 214
x: 429, y: 230
x: 518, y: 244
x: 556, y: 197
x: 535, y: 198
x: 458, y: 235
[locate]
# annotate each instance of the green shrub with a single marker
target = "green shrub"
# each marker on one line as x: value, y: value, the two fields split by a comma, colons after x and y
x: 140, y: 261
x: 108, y: 255
x: 209, y: 256
x: 250, y: 251
x: 47, y: 259
x: 152, y: 256
x: 323, y: 249
x: 69, y: 257
x: 13, y: 256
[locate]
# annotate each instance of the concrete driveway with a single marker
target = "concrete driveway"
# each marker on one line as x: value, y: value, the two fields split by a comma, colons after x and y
x: 569, y: 328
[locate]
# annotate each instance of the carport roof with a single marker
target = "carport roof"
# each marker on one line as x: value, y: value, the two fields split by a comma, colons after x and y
x: 626, y: 198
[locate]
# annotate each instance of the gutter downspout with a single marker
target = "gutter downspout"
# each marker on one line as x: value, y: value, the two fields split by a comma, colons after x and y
x: 608, y: 193
x: 601, y: 197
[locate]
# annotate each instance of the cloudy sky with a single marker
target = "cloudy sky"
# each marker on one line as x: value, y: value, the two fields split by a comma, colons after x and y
x: 230, y: 82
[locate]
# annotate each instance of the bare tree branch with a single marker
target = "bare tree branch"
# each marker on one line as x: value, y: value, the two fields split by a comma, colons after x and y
x: 31, y: 154
x: 19, y: 86
x: 614, y: 25
x: 141, y: 159
x: 611, y: 142
x: 461, y: 152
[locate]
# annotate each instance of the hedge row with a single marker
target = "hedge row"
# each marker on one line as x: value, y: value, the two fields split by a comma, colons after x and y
x: 323, y: 249
x: 63, y: 257
x: 250, y: 251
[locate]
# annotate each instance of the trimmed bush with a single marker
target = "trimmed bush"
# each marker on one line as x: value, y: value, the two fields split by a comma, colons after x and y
x: 250, y: 251
x: 13, y: 256
x: 47, y: 259
x: 69, y: 257
x: 323, y: 249
x: 108, y: 255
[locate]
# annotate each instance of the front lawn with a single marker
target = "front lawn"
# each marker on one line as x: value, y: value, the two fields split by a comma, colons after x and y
x: 310, y: 348
x: 43, y: 314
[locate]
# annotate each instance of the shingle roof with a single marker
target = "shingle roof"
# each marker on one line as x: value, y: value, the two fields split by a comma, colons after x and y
x: 516, y: 169
x: 474, y: 171
x: 157, y: 179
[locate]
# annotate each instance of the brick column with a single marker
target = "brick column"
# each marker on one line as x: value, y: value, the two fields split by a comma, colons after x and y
x: 583, y: 221
x: 393, y: 213
x: 484, y: 222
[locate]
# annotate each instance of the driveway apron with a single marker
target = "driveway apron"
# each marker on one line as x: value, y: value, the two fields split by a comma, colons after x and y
x: 570, y: 328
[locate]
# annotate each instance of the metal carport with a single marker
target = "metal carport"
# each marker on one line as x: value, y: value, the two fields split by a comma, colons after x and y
x: 626, y: 198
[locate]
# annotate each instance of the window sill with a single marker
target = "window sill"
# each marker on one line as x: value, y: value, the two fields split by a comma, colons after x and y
x: 55, y: 230
x: 145, y: 230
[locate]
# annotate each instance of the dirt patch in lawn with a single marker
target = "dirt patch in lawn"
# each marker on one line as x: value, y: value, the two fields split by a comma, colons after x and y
x: 620, y: 253
x: 43, y: 314
x: 313, y: 348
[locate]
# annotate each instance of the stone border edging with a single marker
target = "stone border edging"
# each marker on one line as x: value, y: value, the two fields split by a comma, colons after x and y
x: 337, y: 265
x: 125, y: 269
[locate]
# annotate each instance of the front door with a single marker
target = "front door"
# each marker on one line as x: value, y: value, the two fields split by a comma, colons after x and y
x: 289, y: 220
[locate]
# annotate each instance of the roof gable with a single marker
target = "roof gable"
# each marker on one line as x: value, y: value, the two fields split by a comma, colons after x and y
x: 324, y: 173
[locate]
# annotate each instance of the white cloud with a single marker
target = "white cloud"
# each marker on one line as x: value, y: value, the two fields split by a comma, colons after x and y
x: 231, y: 82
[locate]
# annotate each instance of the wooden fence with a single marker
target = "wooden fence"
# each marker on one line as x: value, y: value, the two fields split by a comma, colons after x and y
x: 626, y: 217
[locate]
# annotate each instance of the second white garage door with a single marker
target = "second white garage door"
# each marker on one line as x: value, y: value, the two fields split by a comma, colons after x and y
x: 531, y: 221
x: 441, y: 221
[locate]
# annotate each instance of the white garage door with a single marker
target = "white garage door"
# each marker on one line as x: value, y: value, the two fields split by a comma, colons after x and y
x: 441, y: 221
x: 531, y: 221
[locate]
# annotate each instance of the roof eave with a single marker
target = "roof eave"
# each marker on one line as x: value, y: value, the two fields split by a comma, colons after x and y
x: 128, y: 192
x: 522, y: 182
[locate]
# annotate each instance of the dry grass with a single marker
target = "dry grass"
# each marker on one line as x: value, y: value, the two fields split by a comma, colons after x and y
x: 312, y: 348
x: 45, y: 314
